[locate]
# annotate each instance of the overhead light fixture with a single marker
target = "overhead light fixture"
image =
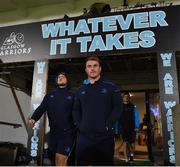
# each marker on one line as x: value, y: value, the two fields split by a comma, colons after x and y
x: 65, y: 16
x: 98, y: 8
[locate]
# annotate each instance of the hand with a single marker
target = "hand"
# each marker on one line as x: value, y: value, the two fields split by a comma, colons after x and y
x: 31, y: 123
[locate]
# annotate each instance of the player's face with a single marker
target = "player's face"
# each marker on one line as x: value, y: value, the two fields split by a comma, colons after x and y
x: 62, y: 80
x: 93, y: 69
x: 126, y: 98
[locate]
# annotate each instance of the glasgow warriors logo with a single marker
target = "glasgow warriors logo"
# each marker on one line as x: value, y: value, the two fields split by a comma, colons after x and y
x: 14, y: 38
x: 14, y: 45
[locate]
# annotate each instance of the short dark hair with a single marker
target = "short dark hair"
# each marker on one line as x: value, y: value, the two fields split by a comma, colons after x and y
x: 126, y: 93
x: 94, y: 58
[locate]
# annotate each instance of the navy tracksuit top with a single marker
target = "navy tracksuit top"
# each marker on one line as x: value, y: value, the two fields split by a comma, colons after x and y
x: 58, y: 104
x: 97, y: 106
x: 128, y: 117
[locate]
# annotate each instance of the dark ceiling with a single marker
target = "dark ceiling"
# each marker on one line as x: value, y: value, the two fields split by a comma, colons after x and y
x: 110, y: 64
x: 135, y: 68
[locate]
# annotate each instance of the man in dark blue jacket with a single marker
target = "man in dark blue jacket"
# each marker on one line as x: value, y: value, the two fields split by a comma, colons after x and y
x: 129, y: 124
x: 58, y: 105
x: 97, y: 106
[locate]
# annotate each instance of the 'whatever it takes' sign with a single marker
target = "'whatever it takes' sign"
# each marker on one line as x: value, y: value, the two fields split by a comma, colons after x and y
x: 143, y: 30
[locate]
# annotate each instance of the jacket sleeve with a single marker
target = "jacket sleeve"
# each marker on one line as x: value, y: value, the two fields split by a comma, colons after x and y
x: 117, y: 127
x: 137, y: 119
x: 77, y: 111
x: 41, y: 109
x: 116, y: 107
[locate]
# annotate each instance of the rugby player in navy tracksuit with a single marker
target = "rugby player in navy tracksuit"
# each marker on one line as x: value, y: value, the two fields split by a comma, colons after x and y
x: 97, y: 106
x: 58, y: 104
x: 129, y: 124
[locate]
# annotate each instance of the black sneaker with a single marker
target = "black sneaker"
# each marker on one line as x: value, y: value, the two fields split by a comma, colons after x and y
x: 131, y: 158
